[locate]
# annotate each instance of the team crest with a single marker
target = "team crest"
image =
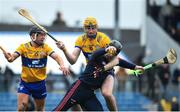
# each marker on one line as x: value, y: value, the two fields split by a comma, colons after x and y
x: 36, y: 53
x: 91, y: 48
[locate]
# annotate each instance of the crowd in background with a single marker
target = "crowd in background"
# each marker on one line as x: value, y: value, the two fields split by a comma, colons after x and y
x: 167, y: 16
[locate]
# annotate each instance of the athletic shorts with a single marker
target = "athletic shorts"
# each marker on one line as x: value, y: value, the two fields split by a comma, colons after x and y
x: 80, y: 93
x: 35, y: 89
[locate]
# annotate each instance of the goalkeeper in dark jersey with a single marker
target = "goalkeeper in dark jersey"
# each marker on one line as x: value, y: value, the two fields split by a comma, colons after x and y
x: 98, y: 68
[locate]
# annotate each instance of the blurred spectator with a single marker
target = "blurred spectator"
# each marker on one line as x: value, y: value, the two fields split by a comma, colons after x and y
x: 176, y: 34
x: 174, y: 105
x: 8, y: 77
x: 164, y: 76
x: 166, y: 15
x: 139, y: 61
x: 58, y: 20
x: 164, y: 105
x: 154, y: 10
x: 151, y: 83
x: 1, y: 79
x: 175, y: 30
x: 77, y: 23
x: 176, y: 76
x: 50, y: 82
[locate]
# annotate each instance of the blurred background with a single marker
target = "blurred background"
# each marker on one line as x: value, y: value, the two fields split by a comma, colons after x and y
x: 146, y: 28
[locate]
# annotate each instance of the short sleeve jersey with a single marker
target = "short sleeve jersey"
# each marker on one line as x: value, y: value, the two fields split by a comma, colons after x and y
x: 88, y: 45
x: 34, y: 61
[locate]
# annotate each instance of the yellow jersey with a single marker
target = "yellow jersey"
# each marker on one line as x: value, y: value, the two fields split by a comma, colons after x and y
x: 34, y: 60
x: 89, y: 45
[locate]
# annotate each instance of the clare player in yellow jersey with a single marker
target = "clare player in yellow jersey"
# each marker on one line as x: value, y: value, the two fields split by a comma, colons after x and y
x: 34, y: 59
x: 88, y: 42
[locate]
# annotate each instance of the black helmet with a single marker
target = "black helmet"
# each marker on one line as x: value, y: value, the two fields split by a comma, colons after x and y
x: 117, y: 45
x: 35, y: 29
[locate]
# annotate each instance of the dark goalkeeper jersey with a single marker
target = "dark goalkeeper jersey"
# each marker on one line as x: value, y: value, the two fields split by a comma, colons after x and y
x: 97, y: 60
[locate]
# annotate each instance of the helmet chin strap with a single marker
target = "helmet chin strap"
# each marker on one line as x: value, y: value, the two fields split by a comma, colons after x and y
x: 34, y: 39
x: 92, y: 36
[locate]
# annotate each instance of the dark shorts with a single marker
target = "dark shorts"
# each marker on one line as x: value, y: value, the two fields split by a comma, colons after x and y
x: 81, y: 94
x: 36, y: 89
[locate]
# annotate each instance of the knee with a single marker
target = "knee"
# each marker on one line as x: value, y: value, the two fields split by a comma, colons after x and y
x: 107, y: 94
x: 22, y: 107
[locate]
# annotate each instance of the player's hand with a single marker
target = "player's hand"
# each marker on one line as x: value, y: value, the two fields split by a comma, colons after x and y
x: 65, y: 70
x: 8, y: 56
x: 60, y: 45
x: 140, y: 69
x: 97, y: 71
x: 111, y: 50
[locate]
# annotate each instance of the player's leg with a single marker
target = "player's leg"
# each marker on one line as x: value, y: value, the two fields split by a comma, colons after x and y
x: 92, y: 104
x: 22, y: 96
x: 39, y: 104
x: 76, y: 107
x: 71, y: 98
x: 39, y: 93
x: 107, y: 92
x: 22, y: 101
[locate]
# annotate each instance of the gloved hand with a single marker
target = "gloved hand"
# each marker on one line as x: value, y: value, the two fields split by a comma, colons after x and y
x: 97, y: 71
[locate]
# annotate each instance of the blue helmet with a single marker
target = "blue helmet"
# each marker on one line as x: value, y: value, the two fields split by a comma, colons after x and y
x: 35, y: 29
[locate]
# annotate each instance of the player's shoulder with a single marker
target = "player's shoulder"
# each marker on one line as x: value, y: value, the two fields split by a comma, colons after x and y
x: 101, y: 37
x: 23, y: 45
x: 46, y: 46
x: 82, y: 37
x: 102, y: 34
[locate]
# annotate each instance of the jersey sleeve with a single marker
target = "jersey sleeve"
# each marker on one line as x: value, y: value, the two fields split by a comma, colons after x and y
x: 78, y: 42
x: 49, y: 50
x: 105, y: 40
x: 20, y: 49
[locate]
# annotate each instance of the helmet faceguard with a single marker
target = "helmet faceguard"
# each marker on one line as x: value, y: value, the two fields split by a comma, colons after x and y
x: 90, y: 27
x: 90, y: 21
x: 117, y: 45
x: 36, y: 31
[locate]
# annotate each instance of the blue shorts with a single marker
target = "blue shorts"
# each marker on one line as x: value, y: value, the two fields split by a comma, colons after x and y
x: 36, y: 89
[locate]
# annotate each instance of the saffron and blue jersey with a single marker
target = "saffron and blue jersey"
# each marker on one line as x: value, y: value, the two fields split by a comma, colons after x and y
x: 34, y: 60
x: 88, y: 45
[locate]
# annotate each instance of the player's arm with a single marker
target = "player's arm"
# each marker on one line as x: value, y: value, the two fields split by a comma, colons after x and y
x: 71, y: 57
x: 102, y: 51
x: 11, y: 57
x: 122, y: 63
x: 125, y: 64
x: 60, y: 62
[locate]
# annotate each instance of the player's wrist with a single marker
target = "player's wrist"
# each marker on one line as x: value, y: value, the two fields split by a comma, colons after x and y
x: 62, y: 67
x: 64, y: 49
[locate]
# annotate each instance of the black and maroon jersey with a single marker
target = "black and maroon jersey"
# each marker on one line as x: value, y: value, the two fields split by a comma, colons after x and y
x: 97, y: 60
